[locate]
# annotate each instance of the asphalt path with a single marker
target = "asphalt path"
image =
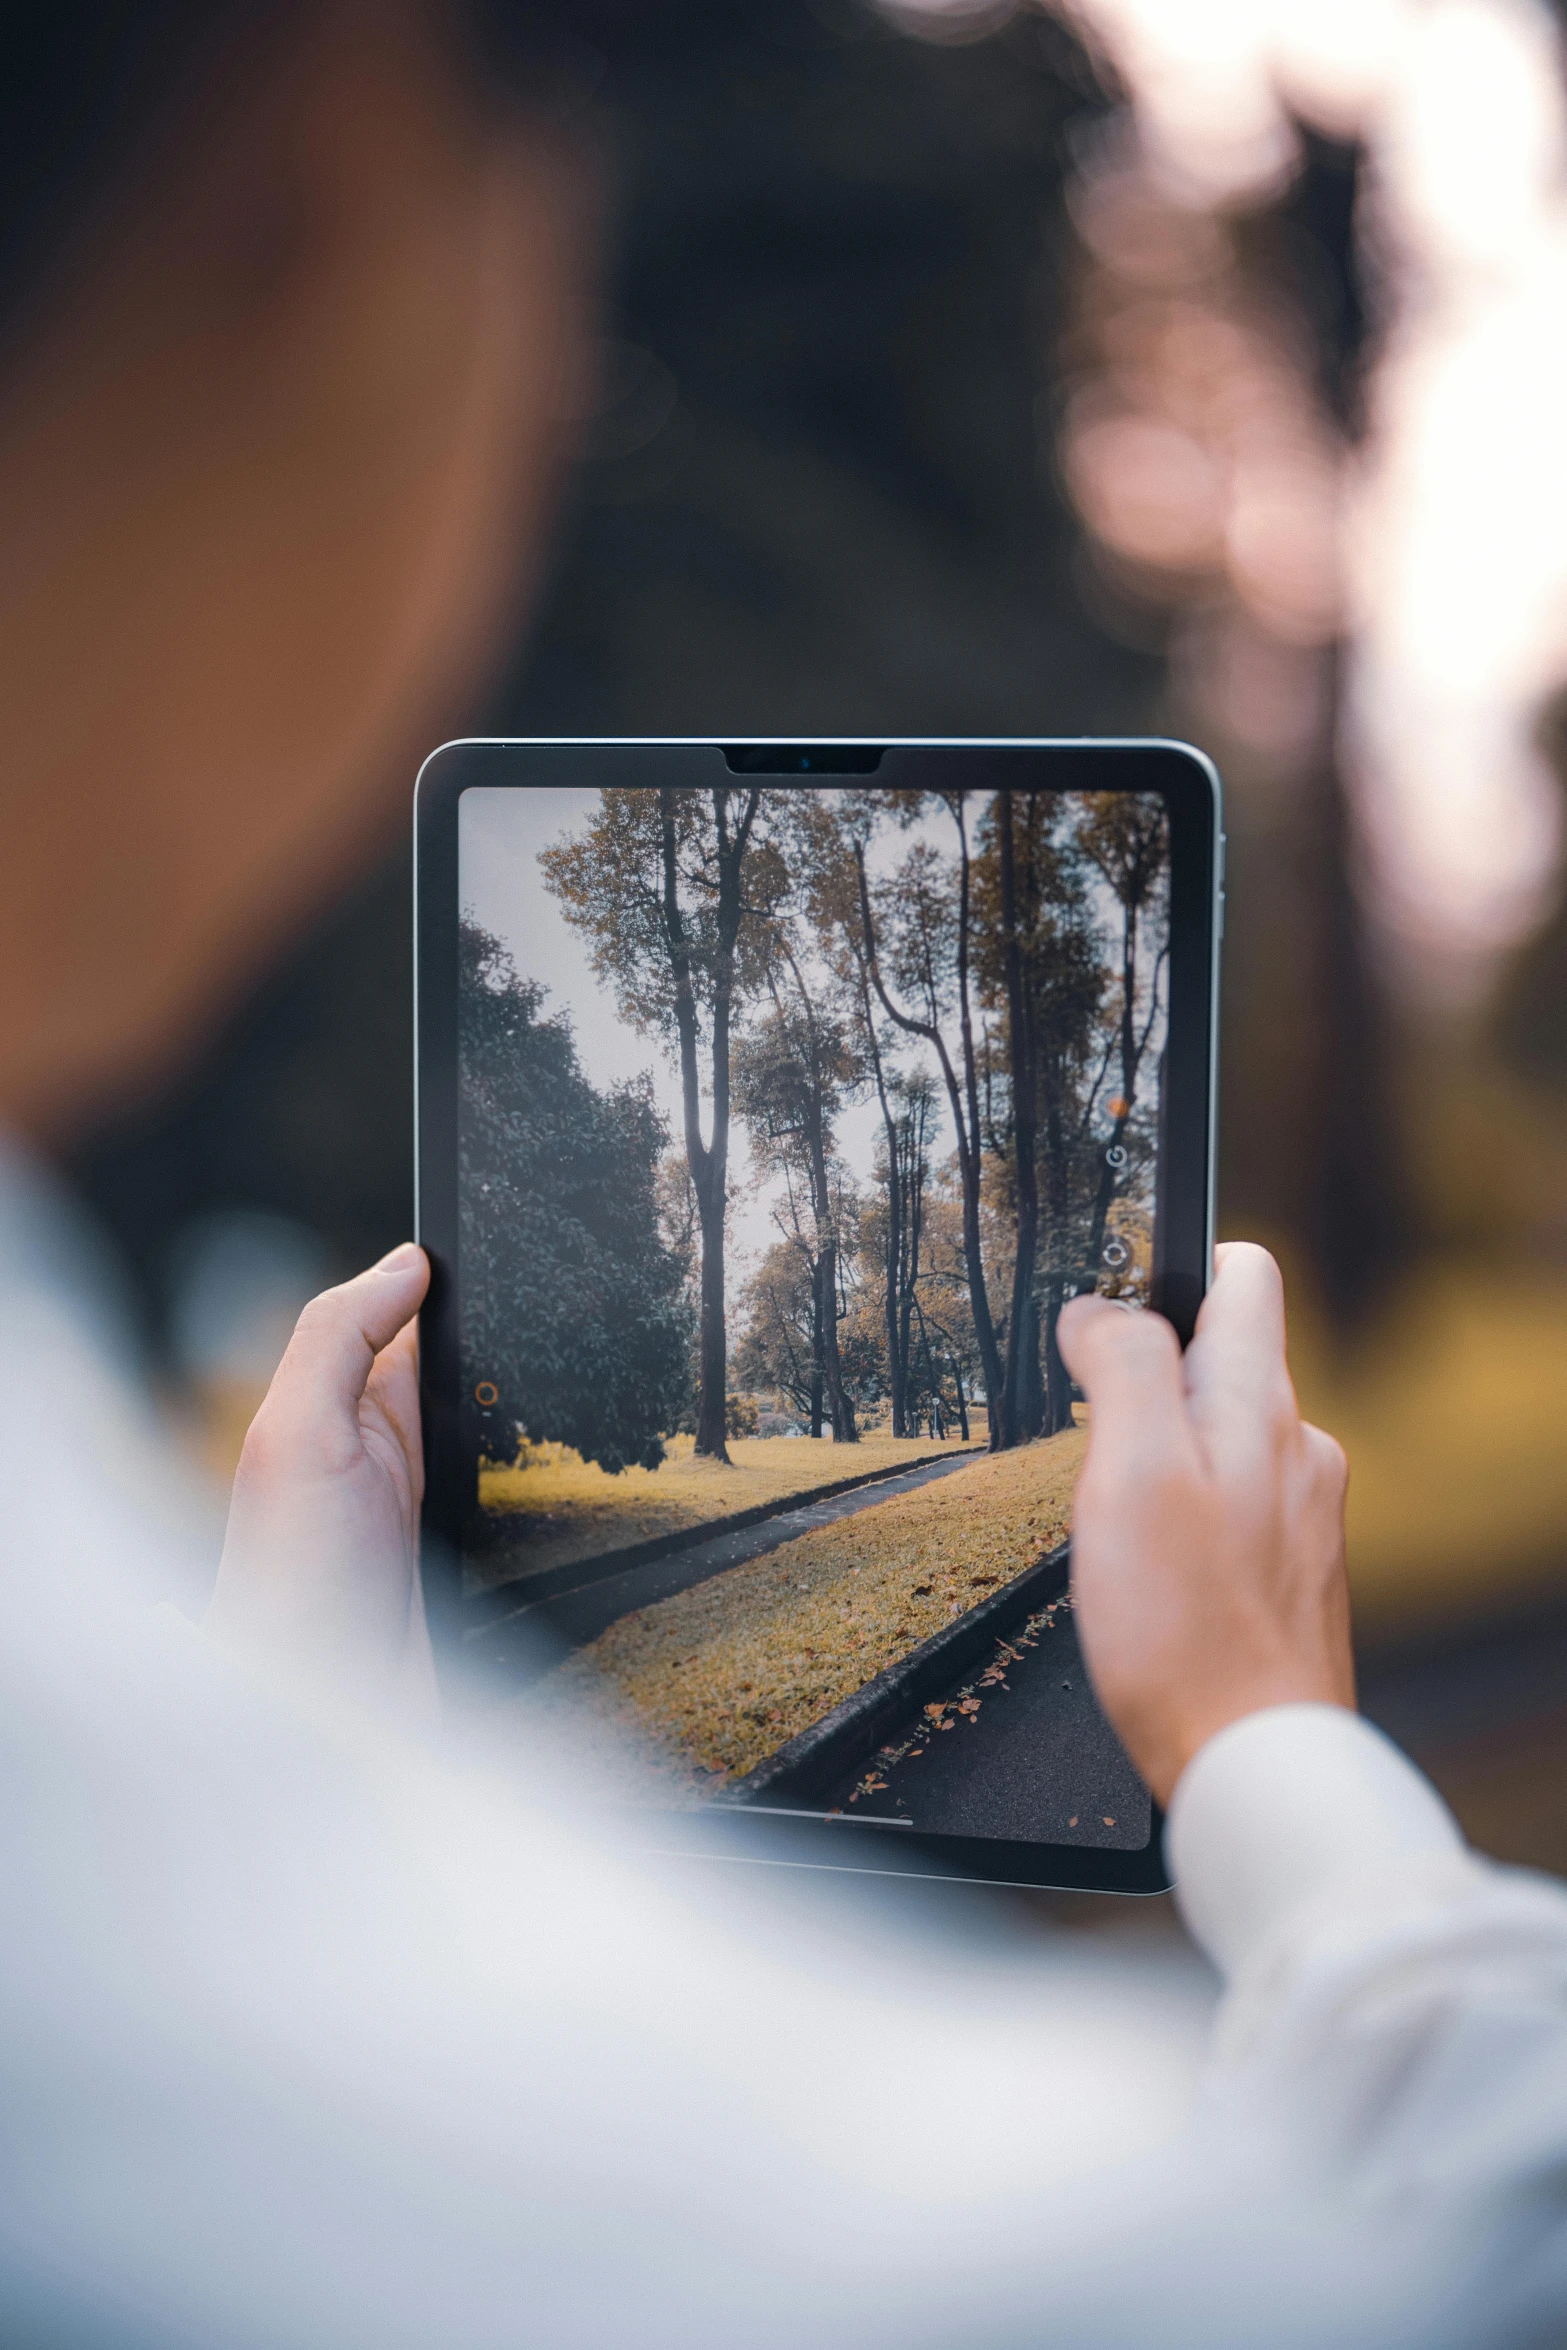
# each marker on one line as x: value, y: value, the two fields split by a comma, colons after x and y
x: 1037, y: 1761
x: 532, y: 1641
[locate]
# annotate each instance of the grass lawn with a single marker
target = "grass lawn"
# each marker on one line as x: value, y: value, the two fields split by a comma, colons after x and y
x: 719, y: 1677
x: 559, y: 1507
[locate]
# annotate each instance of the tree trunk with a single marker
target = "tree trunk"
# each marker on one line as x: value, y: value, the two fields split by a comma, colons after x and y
x: 1057, y: 1383
x: 1058, y: 1380
x: 845, y: 1427
x: 909, y: 1262
x: 897, y: 1379
x: 937, y: 1417
x: 838, y: 1406
x: 1034, y: 1386
x: 906, y: 1352
x: 969, y: 1154
x: 979, y: 1299
x: 1022, y: 1326
x: 711, y: 1430
x: 967, y: 1133
x: 897, y: 1371
x: 957, y: 1380
x: 816, y: 1347
x: 708, y: 1162
x: 1131, y: 1057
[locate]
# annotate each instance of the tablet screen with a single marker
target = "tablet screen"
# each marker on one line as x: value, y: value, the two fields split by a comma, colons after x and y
x: 788, y: 1121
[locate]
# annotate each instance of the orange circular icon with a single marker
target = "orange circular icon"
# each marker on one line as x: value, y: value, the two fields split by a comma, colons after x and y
x: 485, y: 1394
x: 1116, y: 1107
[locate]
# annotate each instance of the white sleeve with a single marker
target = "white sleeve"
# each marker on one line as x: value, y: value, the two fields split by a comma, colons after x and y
x: 1394, y: 2033
x: 1288, y: 1805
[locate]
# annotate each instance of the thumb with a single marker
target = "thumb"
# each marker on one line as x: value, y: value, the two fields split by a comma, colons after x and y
x: 1128, y: 1364
x: 1236, y: 1368
x: 340, y: 1333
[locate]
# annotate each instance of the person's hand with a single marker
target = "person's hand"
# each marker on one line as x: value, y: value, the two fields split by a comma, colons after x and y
x: 1208, y: 1530
x: 320, y: 1568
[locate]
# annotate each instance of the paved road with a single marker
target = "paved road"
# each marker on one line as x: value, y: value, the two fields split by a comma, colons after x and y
x: 533, y: 1640
x: 1036, y: 1758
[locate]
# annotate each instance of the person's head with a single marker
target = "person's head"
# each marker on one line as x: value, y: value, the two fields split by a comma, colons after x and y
x: 289, y: 303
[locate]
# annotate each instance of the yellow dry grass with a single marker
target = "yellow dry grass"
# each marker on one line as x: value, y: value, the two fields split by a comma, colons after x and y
x: 721, y: 1676
x: 561, y: 1507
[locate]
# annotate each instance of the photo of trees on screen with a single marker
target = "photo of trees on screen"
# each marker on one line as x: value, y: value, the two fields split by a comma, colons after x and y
x: 911, y: 1046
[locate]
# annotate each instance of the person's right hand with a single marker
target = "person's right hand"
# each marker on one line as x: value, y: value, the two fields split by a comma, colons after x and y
x: 1208, y: 1529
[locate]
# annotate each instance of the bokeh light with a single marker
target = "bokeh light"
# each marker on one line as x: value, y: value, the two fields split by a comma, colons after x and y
x: 1437, y: 542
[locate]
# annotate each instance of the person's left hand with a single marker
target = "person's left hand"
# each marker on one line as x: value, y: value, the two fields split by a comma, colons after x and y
x: 320, y: 1567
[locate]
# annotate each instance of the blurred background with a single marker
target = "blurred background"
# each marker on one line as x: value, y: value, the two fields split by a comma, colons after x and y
x: 1111, y: 366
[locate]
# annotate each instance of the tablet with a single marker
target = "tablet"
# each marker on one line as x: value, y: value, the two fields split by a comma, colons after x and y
x: 772, y: 1100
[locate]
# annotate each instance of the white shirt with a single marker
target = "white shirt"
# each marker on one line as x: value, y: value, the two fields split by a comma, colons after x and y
x: 308, y: 2038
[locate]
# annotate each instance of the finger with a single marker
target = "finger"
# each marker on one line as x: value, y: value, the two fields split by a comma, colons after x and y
x: 341, y: 1332
x: 1129, y: 1367
x: 1246, y: 1296
x: 1236, y: 1373
x: 393, y: 1391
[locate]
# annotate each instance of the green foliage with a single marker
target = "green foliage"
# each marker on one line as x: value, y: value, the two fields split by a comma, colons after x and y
x: 864, y: 1360
x: 1126, y: 836
x: 574, y: 1305
x: 776, y: 1353
x: 742, y: 1415
x: 793, y: 1073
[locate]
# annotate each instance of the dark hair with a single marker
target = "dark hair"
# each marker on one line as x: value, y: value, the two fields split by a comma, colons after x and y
x: 85, y: 84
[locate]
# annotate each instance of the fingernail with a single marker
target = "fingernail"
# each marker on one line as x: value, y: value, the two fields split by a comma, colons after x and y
x: 401, y: 1259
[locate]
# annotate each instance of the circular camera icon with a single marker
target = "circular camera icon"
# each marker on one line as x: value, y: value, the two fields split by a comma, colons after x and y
x: 486, y: 1394
x: 1115, y: 1254
x: 1115, y: 1156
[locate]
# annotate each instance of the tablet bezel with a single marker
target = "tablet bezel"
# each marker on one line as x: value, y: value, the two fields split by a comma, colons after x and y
x: 1189, y: 784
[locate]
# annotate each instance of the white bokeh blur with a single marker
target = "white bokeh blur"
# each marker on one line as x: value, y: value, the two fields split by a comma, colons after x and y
x: 1438, y: 545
